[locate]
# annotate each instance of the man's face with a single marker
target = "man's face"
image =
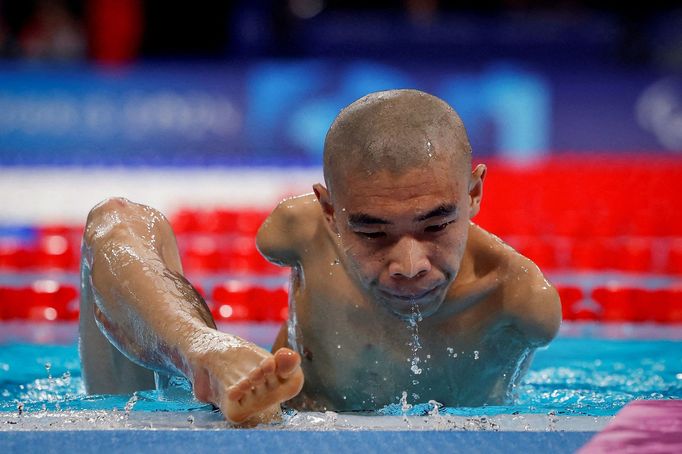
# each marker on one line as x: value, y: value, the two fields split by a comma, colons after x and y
x: 404, y: 235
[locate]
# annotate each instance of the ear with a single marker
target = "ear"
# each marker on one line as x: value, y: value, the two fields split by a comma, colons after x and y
x: 323, y: 197
x: 476, y: 189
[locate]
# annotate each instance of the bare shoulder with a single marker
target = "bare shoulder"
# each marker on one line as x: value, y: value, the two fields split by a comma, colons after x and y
x: 290, y: 226
x: 528, y: 299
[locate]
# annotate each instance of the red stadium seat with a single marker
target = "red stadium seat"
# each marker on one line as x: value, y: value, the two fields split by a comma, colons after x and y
x: 634, y: 254
x: 185, y: 221
x: 591, y: 254
x: 56, y: 252
x: 16, y: 256
x: 45, y: 300
x: 666, y: 305
x: 72, y: 232
x: 570, y: 298
x: 201, y: 255
x: 232, y: 301
x: 273, y: 304
x: 624, y: 304
x: 674, y: 259
x: 237, y: 301
x: 249, y: 221
x: 585, y: 315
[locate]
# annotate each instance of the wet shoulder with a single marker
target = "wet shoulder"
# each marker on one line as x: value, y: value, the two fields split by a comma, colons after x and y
x: 302, y: 213
x: 529, y: 301
x: 288, y: 229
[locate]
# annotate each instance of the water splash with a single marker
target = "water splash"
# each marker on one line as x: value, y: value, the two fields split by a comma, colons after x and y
x: 436, y: 406
x: 130, y: 405
x: 404, y: 406
x: 414, y: 343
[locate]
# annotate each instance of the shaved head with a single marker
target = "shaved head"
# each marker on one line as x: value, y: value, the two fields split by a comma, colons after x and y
x: 396, y: 131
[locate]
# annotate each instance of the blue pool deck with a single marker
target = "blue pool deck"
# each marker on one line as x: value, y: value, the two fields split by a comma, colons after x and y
x: 202, y: 431
x: 245, y: 441
x: 642, y: 426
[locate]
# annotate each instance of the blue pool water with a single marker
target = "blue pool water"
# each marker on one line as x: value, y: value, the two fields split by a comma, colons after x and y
x: 589, y: 376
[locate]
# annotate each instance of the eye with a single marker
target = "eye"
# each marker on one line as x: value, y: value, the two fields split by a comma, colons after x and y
x: 437, y: 228
x: 371, y: 235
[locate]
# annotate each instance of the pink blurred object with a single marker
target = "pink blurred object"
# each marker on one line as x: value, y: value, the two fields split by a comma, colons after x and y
x: 644, y: 426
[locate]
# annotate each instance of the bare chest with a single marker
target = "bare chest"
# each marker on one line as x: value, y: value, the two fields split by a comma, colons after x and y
x: 356, y: 358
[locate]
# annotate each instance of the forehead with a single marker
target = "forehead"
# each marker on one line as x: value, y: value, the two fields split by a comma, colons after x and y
x: 410, y: 192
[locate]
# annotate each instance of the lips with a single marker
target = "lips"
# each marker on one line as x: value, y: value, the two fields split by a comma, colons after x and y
x: 410, y: 296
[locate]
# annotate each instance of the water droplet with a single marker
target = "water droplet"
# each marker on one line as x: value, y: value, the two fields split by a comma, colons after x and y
x: 404, y: 406
x: 338, y: 346
x: 436, y: 406
x: 475, y: 354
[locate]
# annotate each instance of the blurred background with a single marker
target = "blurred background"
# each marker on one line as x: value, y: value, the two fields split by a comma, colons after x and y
x: 215, y: 111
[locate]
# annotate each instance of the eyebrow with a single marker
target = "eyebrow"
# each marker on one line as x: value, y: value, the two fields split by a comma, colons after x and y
x: 359, y: 219
x: 438, y: 212
x: 366, y: 219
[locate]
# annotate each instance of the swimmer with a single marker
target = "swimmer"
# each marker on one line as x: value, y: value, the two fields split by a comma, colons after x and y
x: 393, y: 288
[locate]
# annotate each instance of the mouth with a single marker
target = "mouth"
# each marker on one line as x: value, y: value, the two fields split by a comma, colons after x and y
x: 411, y: 296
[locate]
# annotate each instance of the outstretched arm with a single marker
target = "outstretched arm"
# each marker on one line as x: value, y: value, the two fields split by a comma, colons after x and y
x: 151, y: 313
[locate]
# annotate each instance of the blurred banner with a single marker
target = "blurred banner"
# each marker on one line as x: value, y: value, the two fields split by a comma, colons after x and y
x: 277, y: 112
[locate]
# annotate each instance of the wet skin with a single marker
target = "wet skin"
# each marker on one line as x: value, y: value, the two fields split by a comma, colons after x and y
x: 138, y: 314
x: 395, y: 289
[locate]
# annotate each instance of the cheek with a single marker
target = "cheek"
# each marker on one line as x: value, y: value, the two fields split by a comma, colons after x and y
x: 451, y: 249
x: 364, y: 261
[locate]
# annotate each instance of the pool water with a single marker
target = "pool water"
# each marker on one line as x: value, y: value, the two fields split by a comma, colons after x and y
x: 581, y: 376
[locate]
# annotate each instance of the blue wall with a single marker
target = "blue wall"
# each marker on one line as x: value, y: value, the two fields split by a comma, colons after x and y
x: 277, y: 112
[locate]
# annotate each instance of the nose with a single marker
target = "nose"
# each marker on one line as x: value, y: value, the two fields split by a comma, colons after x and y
x: 409, y: 260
